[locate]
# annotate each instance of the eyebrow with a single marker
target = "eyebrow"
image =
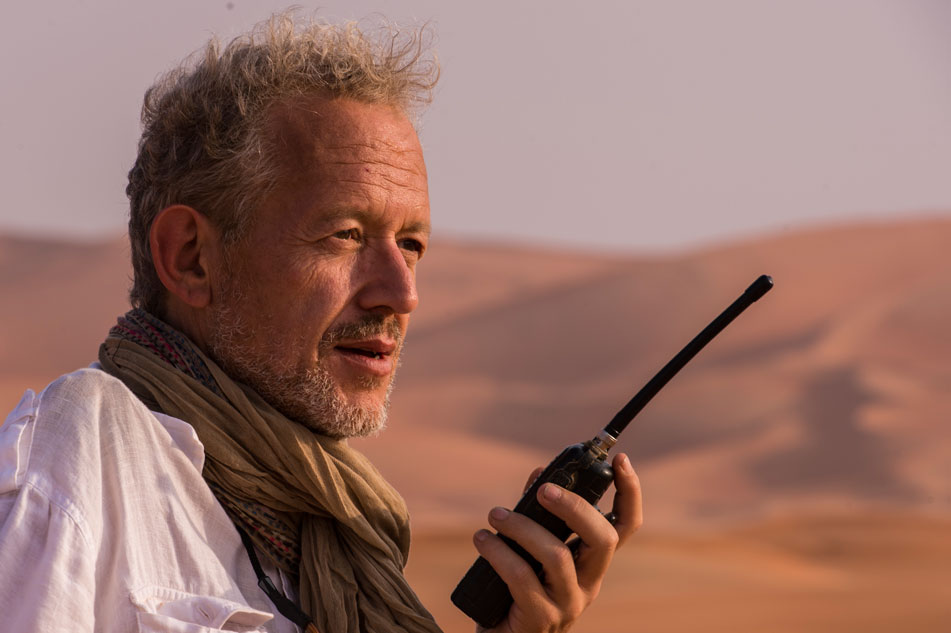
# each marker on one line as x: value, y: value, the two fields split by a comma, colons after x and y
x: 419, y: 227
x: 366, y: 217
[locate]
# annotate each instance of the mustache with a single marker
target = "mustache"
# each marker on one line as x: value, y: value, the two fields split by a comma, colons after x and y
x: 367, y: 326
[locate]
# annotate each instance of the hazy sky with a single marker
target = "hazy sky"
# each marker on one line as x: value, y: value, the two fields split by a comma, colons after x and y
x: 642, y: 124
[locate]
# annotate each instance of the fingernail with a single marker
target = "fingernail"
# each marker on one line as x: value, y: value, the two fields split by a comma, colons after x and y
x: 499, y: 514
x: 551, y: 492
x: 481, y: 535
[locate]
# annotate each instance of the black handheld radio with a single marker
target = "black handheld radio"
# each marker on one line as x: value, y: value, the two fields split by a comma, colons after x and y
x: 583, y: 469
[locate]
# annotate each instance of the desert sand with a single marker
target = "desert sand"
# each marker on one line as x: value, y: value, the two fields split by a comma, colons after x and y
x: 864, y: 573
x: 796, y: 474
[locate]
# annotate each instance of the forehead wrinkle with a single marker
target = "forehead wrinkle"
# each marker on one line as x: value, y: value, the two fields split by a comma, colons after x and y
x: 348, y: 138
x: 376, y: 145
x: 384, y: 163
x: 319, y: 135
x: 378, y: 185
x: 298, y: 141
x: 349, y: 172
x: 374, y: 157
x: 376, y: 172
x: 361, y: 158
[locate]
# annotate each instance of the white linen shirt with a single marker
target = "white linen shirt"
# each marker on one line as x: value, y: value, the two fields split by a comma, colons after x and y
x: 106, y: 524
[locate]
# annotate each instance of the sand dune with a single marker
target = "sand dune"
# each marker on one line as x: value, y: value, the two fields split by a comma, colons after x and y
x: 58, y: 301
x: 796, y: 473
x: 828, y: 393
x: 871, y: 573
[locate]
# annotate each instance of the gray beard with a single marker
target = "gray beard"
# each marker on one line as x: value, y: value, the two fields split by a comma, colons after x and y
x: 310, y: 397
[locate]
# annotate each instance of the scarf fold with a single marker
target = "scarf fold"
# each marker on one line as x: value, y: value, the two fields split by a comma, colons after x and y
x: 309, y: 500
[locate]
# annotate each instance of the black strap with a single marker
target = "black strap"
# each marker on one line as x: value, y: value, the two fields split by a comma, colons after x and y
x: 285, y: 606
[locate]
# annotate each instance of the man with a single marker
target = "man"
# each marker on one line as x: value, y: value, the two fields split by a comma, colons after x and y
x: 279, y: 209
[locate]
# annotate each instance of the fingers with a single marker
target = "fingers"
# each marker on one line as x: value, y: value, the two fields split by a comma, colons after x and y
x: 531, y: 478
x: 533, y: 604
x: 563, y: 573
x: 628, y: 505
x: 571, y: 579
x: 598, y: 537
x: 555, y: 557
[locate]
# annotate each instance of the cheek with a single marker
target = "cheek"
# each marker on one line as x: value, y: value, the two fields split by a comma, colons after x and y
x: 318, y: 295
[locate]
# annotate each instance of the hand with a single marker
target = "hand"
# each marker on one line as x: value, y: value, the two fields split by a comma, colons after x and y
x: 571, y: 581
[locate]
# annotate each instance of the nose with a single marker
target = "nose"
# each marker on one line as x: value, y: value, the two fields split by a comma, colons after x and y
x: 388, y: 281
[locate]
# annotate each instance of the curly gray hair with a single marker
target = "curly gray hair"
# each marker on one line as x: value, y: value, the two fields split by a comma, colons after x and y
x: 203, y: 142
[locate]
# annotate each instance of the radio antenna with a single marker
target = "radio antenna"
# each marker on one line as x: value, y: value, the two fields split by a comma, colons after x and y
x: 620, y: 421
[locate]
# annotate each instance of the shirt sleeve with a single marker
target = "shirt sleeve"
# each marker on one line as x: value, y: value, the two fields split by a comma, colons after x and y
x: 47, y: 564
x: 47, y: 582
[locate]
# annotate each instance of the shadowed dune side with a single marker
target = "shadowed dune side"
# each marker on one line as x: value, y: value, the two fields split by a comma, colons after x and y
x: 829, y: 393
x: 796, y: 474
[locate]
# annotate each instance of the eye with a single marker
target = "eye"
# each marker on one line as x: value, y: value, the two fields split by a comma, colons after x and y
x: 348, y: 234
x: 413, y: 246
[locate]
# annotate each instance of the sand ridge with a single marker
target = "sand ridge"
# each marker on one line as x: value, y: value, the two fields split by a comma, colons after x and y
x: 796, y: 474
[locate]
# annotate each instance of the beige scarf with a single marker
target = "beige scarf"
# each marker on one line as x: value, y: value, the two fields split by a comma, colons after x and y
x: 354, y: 530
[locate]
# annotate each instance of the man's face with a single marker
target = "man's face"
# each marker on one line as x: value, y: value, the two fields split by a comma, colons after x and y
x: 312, y: 306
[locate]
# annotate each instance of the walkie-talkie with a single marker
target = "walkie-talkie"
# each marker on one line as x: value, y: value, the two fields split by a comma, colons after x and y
x: 583, y: 469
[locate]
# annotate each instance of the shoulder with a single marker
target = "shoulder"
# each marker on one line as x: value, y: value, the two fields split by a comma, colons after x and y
x: 52, y: 443
x: 87, y: 394
x: 82, y: 431
x: 81, y: 415
x: 66, y: 412
x: 82, y: 397
x: 90, y: 404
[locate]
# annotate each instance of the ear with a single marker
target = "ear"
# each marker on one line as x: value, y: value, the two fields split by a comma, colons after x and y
x: 184, y: 243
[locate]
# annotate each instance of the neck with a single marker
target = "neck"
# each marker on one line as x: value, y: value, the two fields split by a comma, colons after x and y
x: 191, y: 322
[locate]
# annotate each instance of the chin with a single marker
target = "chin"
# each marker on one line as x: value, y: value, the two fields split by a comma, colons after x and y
x: 317, y: 402
x: 352, y: 422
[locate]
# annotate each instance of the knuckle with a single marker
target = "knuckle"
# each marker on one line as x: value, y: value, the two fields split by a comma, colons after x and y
x: 606, y: 539
x: 562, y: 558
x: 523, y: 573
x: 553, y: 617
x: 574, y: 609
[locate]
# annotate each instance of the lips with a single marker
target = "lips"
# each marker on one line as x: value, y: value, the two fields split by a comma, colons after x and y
x: 373, y: 348
x: 361, y: 352
x: 373, y: 356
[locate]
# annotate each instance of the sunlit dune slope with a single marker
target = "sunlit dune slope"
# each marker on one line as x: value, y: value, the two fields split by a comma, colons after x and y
x: 828, y: 395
